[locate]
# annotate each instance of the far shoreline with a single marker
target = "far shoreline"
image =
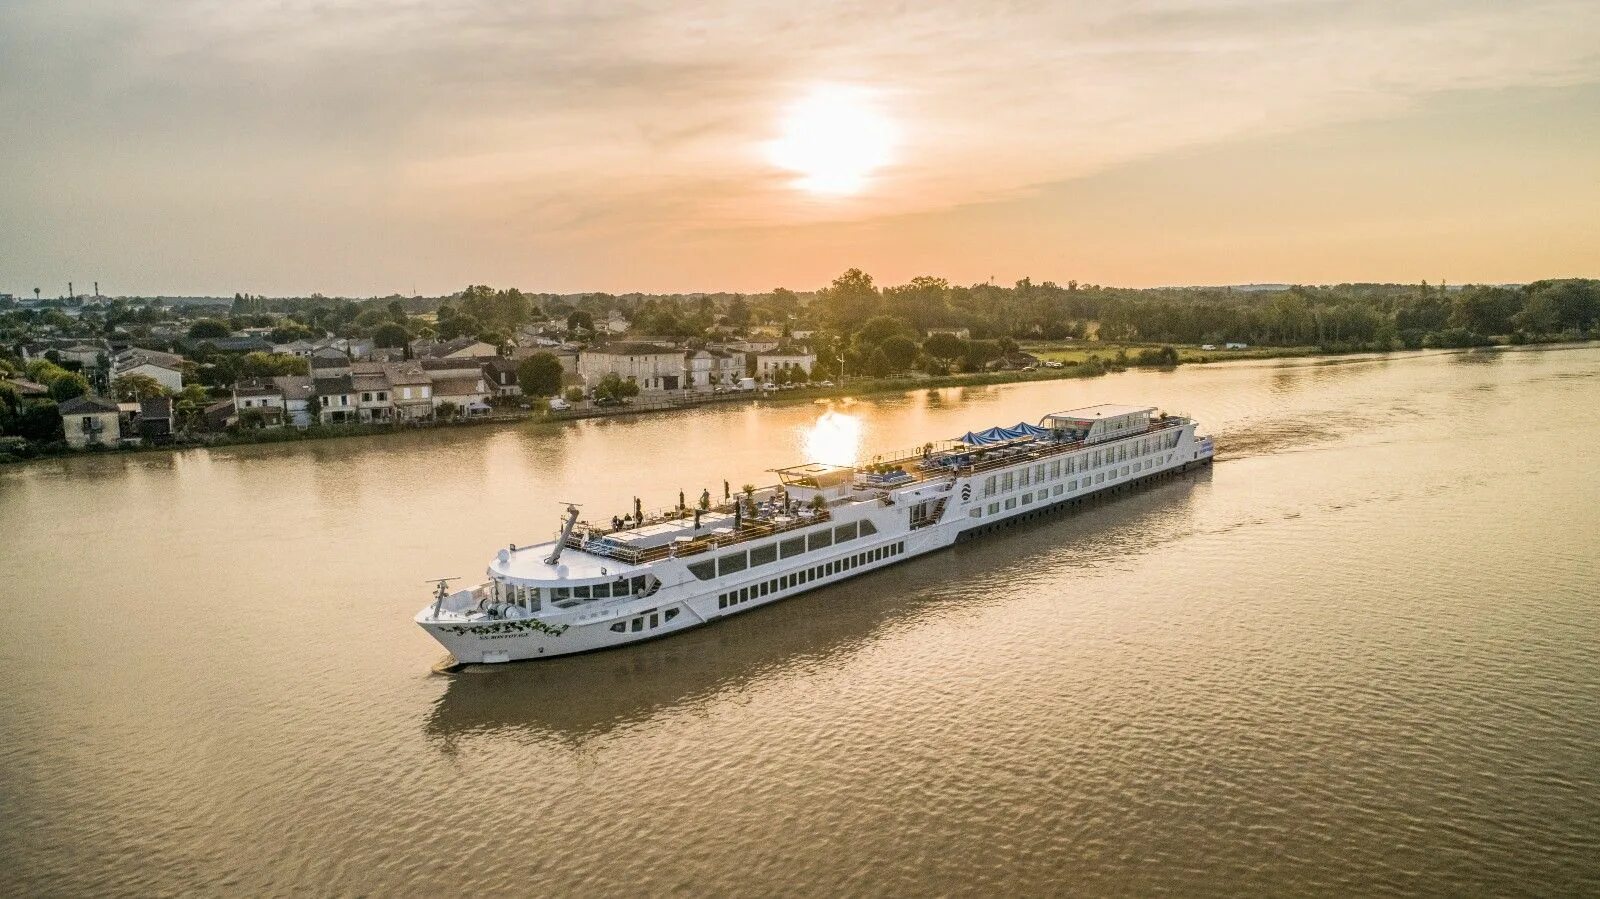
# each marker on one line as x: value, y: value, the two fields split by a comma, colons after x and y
x: 864, y: 387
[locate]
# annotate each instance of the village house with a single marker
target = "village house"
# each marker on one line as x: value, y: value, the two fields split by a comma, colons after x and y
x: 155, y: 420
x: 464, y: 389
x: 410, y: 391
x: 259, y: 400
x: 337, y: 399
x: 370, y: 381
x: 653, y: 367
x: 26, y: 389
x: 360, y: 348
x: 218, y: 416
x: 712, y: 367
x: 87, y: 355
x: 460, y: 348
x: 297, y: 394
x: 92, y: 421
x: 500, y: 374
x: 961, y: 333
x: 757, y: 344
x: 565, y: 353
x: 301, y: 348
x: 615, y: 323
x: 165, y: 369
x: 327, y: 362
x: 789, y: 359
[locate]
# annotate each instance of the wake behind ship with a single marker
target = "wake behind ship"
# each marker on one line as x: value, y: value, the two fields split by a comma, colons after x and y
x: 644, y: 576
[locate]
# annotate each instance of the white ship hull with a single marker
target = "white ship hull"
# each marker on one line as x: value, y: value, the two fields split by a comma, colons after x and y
x: 968, y: 504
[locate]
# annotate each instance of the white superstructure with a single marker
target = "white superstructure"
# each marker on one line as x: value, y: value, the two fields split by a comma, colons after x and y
x: 649, y: 575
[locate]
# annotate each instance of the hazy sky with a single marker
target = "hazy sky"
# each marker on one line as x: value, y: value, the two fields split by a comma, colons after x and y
x: 372, y: 146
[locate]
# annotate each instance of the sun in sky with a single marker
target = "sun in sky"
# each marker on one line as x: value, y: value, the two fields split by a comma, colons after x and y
x: 834, y: 138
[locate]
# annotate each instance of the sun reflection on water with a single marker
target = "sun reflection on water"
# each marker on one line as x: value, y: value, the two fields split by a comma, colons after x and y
x: 835, y: 439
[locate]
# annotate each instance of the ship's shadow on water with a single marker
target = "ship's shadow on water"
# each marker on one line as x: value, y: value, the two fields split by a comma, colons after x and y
x: 578, y: 698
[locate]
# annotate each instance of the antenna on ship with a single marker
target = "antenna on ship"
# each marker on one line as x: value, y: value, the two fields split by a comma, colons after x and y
x: 441, y: 589
x: 566, y: 531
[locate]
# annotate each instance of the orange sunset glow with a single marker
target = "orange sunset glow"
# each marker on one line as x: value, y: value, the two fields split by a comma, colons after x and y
x: 362, y: 148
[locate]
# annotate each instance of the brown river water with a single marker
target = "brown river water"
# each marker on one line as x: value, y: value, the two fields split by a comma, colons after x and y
x: 1361, y: 654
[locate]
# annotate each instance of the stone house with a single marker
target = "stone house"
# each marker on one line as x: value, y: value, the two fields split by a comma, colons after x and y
x: 653, y: 367
x: 91, y: 421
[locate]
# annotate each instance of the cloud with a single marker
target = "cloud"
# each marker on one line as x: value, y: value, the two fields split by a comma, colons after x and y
x: 578, y: 120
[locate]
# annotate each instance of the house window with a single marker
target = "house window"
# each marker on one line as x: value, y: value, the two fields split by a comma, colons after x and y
x: 344, y: 399
x: 383, y: 396
x: 405, y: 393
x: 366, y: 397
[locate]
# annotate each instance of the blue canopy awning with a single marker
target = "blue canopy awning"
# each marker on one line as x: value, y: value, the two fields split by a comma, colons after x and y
x: 1000, y: 435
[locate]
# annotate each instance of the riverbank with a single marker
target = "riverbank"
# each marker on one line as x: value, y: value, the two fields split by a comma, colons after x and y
x: 1077, y: 360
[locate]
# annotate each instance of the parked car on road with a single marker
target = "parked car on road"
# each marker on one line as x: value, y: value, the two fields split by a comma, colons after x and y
x: 557, y: 404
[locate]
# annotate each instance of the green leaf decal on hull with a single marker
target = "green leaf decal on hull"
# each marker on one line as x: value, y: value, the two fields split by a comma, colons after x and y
x: 508, y: 627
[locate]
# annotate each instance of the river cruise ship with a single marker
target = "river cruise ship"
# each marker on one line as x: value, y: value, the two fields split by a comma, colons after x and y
x: 651, y: 574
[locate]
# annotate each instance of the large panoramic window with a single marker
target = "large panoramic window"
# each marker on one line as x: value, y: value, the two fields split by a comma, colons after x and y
x: 794, y: 546
x: 868, y: 529
x: 820, y: 539
x: 732, y: 562
x: 705, y: 570
x: 844, y: 532
x: 764, y: 555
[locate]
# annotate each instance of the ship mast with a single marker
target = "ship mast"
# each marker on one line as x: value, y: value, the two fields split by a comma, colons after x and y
x: 566, y: 531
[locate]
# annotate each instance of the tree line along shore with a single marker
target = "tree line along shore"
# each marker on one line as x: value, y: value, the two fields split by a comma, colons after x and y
x: 850, y: 337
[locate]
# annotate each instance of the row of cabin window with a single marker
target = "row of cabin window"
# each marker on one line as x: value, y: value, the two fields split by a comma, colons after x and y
x: 1057, y: 490
x: 795, y: 579
x: 530, y: 597
x: 640, y: 621
x: 784, y: 549
x: 1051, y: 470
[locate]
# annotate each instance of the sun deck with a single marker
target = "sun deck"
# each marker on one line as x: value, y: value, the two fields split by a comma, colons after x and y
x: 764, y: 512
